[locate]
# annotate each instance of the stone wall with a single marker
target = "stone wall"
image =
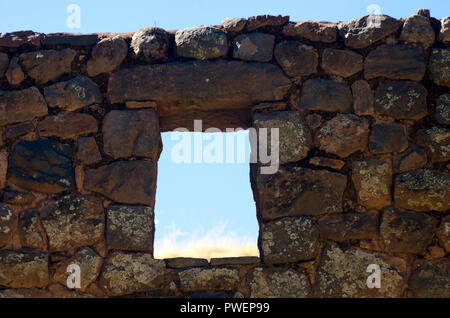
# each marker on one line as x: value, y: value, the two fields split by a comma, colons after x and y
x: 363, y: 111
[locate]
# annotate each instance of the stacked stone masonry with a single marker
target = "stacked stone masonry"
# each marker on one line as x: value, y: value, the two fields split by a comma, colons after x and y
x: 363, y: 111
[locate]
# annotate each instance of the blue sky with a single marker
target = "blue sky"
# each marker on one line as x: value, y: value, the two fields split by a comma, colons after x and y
x: 211, y: 203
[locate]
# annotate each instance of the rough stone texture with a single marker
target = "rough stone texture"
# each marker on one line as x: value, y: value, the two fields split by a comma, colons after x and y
x: 243, y: 260
x: 20, y: 129
x: 67, y: 125
x: 343, y: 63
x: 30, y: 235
x: 131, y: 182
x: 406, y: 232
x: 210, y: 85
x: 6, y: 225
x: 125, y: 273
x: 201, y: 42
x: 326, y: 95
x: 312, y: 30
x: 256, y: 47
x: 417, y: 29
x: 132, y: 133
x: 439, y: 66
x: 88, y: 152
x: 23, y: 270
x: 412, y: 158
x: 386, y: 137
x: 4, y: 62
x: 14, y: 73
x: 442, y: 114
x: 349, y: 226
x: 45, y: 66
x: 327, y: 162
x: 183, y: 262
x: 373, y: 180
x: 90, y: 264
x: 296, y: 191
x: 296, y: 59
x: 294, y: 136
x: 431, y: 278
x: 443, y: 233
x: 422, y: 190
x: 234, y: 24
x: 342, y: 273
x: 22, y: 105
x: 73, y: 221
x: 260, y: 21
x: 107, y: 55
x: 16, y: 39
x: 208, y: 279
x: 278, y: 283
x: 3, y: 168
x: 436, y: 141
x: 74, y: 94
x: 289, y: 240
x: 18, y: 197
x: 401, y: 100
x: 395, y: 62
x: 343, y: 135
x: 444, y: 32
x: 41, y: 165
x: 151, y: 45
x: 130, y: 228
x: 363, y: 99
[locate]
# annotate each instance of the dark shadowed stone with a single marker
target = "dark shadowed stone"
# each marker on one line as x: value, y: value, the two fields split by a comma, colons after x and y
x: 88, y: 152
x: 30, y: 235
x: 19, y: 130
x: 6, y: 225
x: 401, y: 100
x: 363, y: 99
x: 343, y: 273
x: 130, y: 182
x: 296, y: 59
x: 4, y: 62
x: 373, y: 180
x: 406, y: 232
x: 67, y: 125
x: 70, y: 39
x: 442, y: 114
x: 151, y: 45
x: 243, y: 260
x: 439, y: 66
x: 14, y: 73
x: 261, y: 21
x: 233, y: 24
x: 41, y: 165
x: 386, y: 137
x: 18, y: 197
x: 343, y: 63
x: 395, y: 62
x: 444, y: 32
x: 77, y: 93
x: 349, y: 226
x: 412, y: 158
x: 20, y: 106
x: 256, y: 47
x: 126, y: 273
x: 431, y: 278
x: 326, y: 95
x: 364, y: 31
x: 132, y: 133
x: 327, y: 162
x: 16, y: 39
x: 199, y: 85
x: 45, y: 66
x: 21, y: 293
x: 423, y: 190
x: 312, y: 30
x: 417, y: 29
x: 278, y: 283
x: 130, y: 228
x: 289, y: 240
x: 208, y: 279
x: 436, y: 141
x: 294, y: 191
x: 73, y: 221
x: 343, y: 135
x: 294, y: 136
x: 443, y: 233
x: 107, y: 55
x: 23, y: 270
x: 201, y: 42
x: 183, y: 262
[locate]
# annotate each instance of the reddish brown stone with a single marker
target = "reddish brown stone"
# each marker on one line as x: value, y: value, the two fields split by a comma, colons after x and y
x: 343, y: 135
x: 23, y: 270
x: 29, y: 227
x: 443, y: 233
x: 343, y: 63
x: 88, y: 152
x: 67, y: 125
x: 16, y: 39
x: 431, y: 278
x: 3, y: 168
x: 395, y: 62
x: 6, y: 225
x: 45, y: 66
x: 201, y: 42
x: 313, y: 31
x: 327, y: 162
x: 314, y: 121
x: 261, y: 21
x: 349, y: 226
x: 296, y: 59
x: 137, y: 105
x: 107, y: 55
x: 438, y: 66
x: 417, y: 29
x: 373, y: 180
x: 363, y: 99
x: 184, y: 262
x: 412, y: 158
x: 14, y: 73
x: 131, y: 182
x: 436, y: 252
x: 19, y: 130
x: 18, y: 197
x: 442, y: 114
x: 386, y: 137
x: 255, y: 46
x: 436, y: 141
x: 326, y: 95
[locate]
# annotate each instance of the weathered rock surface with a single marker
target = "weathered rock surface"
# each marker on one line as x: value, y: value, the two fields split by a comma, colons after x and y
x: 296, y: 59
x: 3, y: 168
x: 417, y: 29
x: 41, y: 165
x: 67, y: 125
x: 16, y: 39
x: 443, y: 233
x: 88, y: 152
x: 363, y: 98
x: 436, y: 141
x: 201, y: 42
x: 327, y: 162
x: 18, y: 197
x: 278, y: 283
x: 29, y: 227
x: 439, y: 66
x: 386, y: 137
x: 431, y: 278
x: 395, y: 62
x: 19, y: 130
x: 444, y: 32
x: 131, y: 182
x: 4, y: 62
x: 208, y: 279
x: 14, y: 73
x: 343, y: 63
x: 184, y: 262
x: 442, y: 114
x: 260, y: 21
x: 256, y: 47
x: 314, y: 31
x: 326, y: 95
x: 6, y: 225
x: 289, y: 240
x: 349, y: 226
x: 239, y: 260
x: 23, y: 270
x: 107, y: 55
x: 151, y: 45
x: 234, y: 24
x: 412, y: 158
x: 422, y: 190
x: 132, y: 133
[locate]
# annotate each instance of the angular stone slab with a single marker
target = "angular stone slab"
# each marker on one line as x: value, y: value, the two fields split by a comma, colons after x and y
x: 67, y: 125
x: 349, y: 226
x: 23, y: 270
x: 386, y: 137
x: 16, y: 39
x: 208, y: 279
x: 314, y: 31
x: 201, y: 42
x: 257, y: 47
x: 326, y: 95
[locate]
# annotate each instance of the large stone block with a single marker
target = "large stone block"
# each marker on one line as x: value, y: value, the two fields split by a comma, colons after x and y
x: 439, y: 66
x: 201, y: 42
x: 343, y: 63
x: 256, y: 47
x: 151, y: 44
x: 16, y: 39
x: 314, y: 31
x: 208, y: 279
x: 349, y: 226
x: 386, y: 137
x: 442, y: 114
x: 363, y: 98
x: 436, y: 141
x: 296, y: 59
x: 417, y: 29
x: 326, y: 95
x: 431, y: 278
x: 107, y: 55
x: 29, y: 230
x: 67, y: 125
x: 23, y: 270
